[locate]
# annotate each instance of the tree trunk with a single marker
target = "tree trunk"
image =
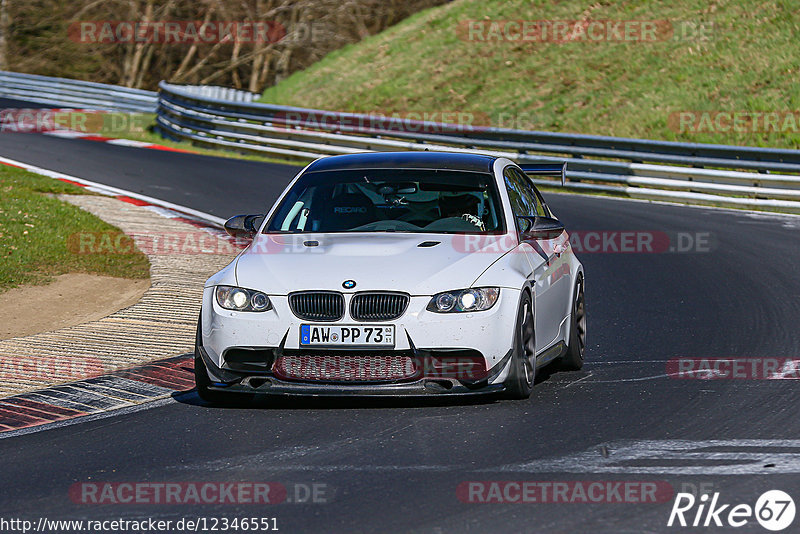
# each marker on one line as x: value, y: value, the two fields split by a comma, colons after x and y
x: 4, y: 24
x: 237, y: 80
x: 187, y: 59
x: 136, y: 61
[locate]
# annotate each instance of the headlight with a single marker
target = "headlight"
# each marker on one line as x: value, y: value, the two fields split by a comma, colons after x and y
x: 239, y: 299
x: 464, y: 300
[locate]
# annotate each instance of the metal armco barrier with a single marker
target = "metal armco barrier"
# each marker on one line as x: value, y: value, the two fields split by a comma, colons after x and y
x: 220, y: 93
x: 67, y: 93
x: 722, y: 175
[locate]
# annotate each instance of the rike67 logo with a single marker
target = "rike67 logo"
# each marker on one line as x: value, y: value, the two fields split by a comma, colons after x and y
x: 774, y: 510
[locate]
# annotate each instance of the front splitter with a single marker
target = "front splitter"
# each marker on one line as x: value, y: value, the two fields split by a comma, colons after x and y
x: 419, y: 388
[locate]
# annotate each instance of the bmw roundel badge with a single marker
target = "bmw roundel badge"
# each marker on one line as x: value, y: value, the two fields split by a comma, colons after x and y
x: 349, y: 284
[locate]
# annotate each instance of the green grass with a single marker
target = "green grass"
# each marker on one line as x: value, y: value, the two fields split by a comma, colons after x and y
x: 749, y: 63
x: 35, y: 230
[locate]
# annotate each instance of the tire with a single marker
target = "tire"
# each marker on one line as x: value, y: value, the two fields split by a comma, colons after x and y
x: 519, y: 383
x: 201, y: 382
x: 201, y: 379
x: 573, y: 359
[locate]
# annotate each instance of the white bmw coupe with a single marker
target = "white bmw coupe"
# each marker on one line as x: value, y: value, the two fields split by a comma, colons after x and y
x: 414, y: 273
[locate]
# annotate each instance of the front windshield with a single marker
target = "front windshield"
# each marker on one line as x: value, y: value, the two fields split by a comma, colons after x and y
x: 390, y: 200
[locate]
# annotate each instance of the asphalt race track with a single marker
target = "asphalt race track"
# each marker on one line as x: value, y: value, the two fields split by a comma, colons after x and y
x: 396, y: 466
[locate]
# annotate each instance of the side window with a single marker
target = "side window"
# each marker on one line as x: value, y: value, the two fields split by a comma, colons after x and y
x: 545, y: 210
x: 514, y: 196
x: 522, y: 203
x: 525, y: 200
x: 529, y: 190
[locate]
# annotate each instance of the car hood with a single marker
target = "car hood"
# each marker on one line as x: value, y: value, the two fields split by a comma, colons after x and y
x: 281, y: 264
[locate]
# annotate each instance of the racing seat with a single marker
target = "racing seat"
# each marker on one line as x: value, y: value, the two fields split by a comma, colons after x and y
x: 348, y: 211
x: 458, y: 205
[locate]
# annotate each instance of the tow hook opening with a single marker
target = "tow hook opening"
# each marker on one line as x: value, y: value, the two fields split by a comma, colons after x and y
x: 256, y: 382
x: 438, y: 384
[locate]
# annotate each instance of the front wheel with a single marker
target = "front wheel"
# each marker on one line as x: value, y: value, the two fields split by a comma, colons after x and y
x: 201, y: 382
x: 573, y: 359
x: 519, y: 383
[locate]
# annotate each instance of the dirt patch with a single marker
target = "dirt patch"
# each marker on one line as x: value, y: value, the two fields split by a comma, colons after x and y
x: 70, y: 300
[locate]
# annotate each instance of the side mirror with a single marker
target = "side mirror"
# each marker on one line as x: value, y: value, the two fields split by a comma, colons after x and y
x: 536, y: 228
x: 243, y: 226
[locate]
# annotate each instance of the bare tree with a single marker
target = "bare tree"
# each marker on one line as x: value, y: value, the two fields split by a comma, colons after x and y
x: 187, y: 59
x: 3, y: 34
x: 42, y: 39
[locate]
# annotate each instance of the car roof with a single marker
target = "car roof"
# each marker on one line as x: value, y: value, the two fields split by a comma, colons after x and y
x: 405, y: 160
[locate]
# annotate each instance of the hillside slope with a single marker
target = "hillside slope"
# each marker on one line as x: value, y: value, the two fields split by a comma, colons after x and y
x: 718, y: 57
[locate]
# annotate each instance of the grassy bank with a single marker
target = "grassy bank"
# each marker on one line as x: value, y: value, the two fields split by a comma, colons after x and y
x: 730, y: 56
x: 35, y: 228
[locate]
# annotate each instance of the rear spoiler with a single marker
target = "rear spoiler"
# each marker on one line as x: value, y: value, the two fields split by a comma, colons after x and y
x: 547, y: 169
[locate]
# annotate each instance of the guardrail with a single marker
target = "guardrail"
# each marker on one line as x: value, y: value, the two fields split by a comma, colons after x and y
x: 730, y: 176
x: 721, y: 175
x: 220, y: 93
x: 64, y: 92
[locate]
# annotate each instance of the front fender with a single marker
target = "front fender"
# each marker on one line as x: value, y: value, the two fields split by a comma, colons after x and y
x: 224, y: 277
x: 511, y: 271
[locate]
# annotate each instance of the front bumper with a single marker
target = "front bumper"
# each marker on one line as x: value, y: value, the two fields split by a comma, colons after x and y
x: 227, y: 381
x: 490, y: 333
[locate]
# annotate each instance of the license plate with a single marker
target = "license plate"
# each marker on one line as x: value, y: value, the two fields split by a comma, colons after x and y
x: 347, y: 335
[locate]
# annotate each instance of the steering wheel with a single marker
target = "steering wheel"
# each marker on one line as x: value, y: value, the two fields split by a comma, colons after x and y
x: 474, y: 220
